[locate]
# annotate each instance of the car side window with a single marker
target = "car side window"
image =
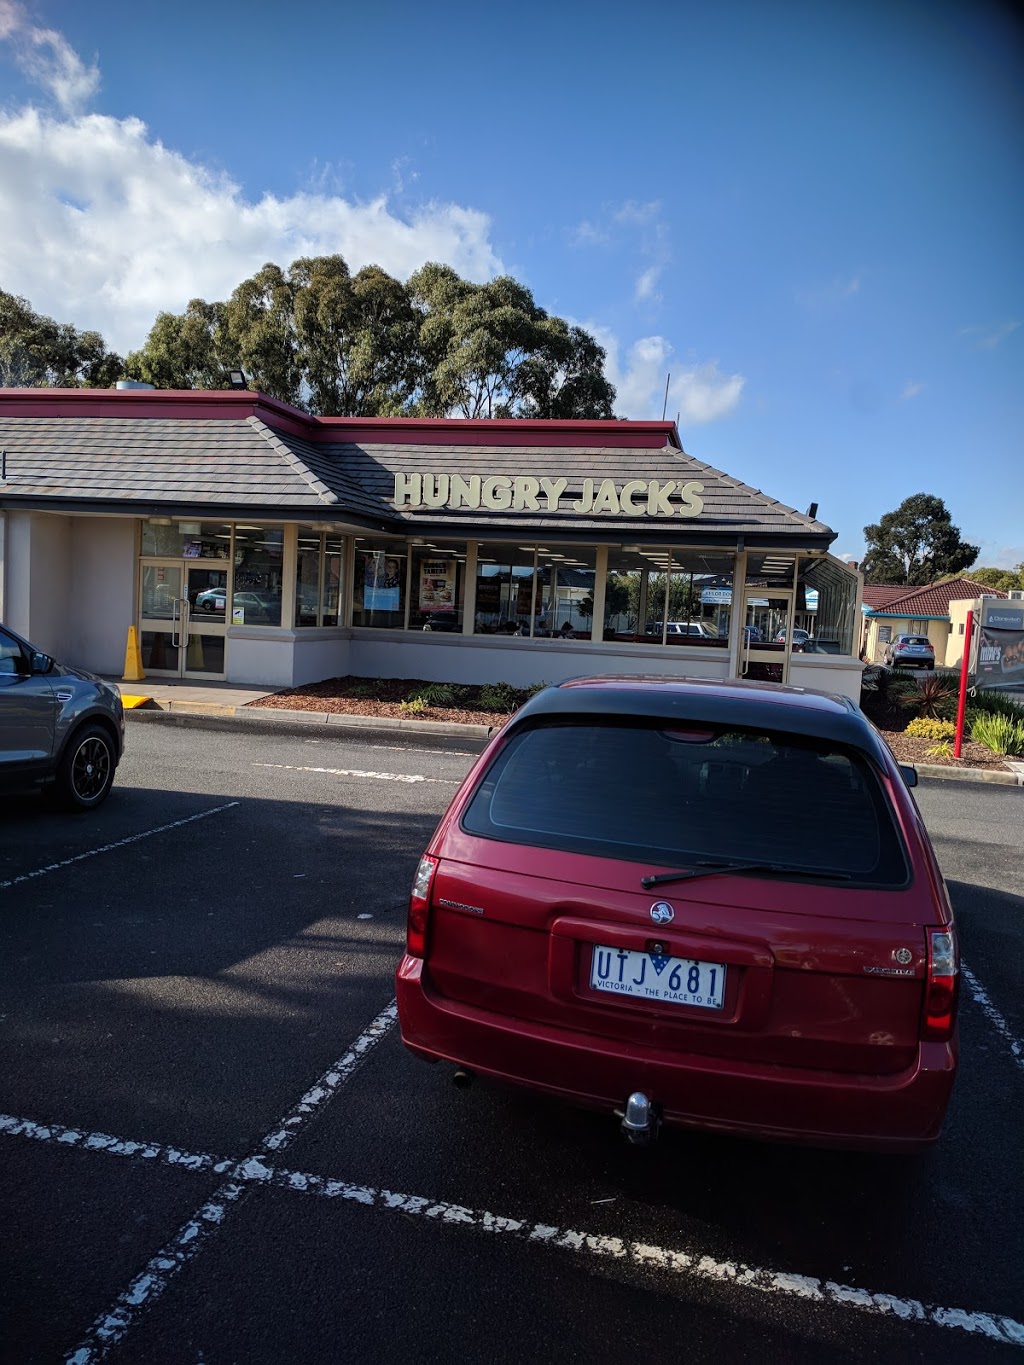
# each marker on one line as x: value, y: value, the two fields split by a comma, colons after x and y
x: 12, y: 659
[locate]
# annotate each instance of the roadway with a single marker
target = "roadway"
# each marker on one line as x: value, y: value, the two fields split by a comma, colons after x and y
x: 215, y: 1149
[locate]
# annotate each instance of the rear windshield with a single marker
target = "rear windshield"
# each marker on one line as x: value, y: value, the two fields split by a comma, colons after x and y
x: 915, y: 640
x: 669, y: 796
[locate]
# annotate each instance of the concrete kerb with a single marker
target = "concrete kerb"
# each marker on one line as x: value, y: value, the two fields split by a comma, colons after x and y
x: 243, y: 717
x: 195, y: 712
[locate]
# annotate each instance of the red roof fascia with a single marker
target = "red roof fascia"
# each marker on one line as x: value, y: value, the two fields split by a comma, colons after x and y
x: 236, y: 404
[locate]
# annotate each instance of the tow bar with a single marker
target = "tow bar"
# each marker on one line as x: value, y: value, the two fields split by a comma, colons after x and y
x: 640, y: 1121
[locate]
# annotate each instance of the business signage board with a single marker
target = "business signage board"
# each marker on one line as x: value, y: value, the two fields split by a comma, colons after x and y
x: 502, y: 493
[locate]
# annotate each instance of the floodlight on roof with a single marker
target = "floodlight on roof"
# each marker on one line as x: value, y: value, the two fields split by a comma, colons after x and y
x: 237, y: 379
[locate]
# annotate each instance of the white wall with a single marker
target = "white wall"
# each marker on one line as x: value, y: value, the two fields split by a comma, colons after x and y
x: 18, y: 572
x: 52, y: 595
x: 521, y: 662
x: 102, y: 605
x: 285, y: 658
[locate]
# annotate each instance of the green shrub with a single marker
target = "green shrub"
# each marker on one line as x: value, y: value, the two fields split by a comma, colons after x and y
x: 925, y: 727
x: 441, y: 694
x: 942, y: 750
x: 1000, y: 733
x: 500, y: 696
x: 888, y: 695
x: 932, y: 695
x: 363, y: 690
x: 997, y: 704
x: 415, y: 707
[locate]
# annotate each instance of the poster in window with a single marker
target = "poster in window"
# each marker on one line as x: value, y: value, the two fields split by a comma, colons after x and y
x: 382, y: 579
x: 437, y: 585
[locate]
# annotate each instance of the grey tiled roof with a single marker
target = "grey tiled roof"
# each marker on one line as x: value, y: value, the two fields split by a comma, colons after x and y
x: 246, y: 463
x: 730, y: 507
x: 179, y: 462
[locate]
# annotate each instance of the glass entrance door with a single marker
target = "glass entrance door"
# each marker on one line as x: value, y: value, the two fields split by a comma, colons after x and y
x: 766, y: 645
x: 182, y: 625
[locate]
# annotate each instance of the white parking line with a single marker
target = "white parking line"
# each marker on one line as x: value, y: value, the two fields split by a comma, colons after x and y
x: 672, y: 1261
x: 154, y: 1278
x: 120, y: 843
x: 993, y: 1016
x: 359, y: 772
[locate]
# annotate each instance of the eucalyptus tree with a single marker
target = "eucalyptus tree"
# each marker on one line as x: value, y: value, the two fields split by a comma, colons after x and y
x: 38, y: 352
x: 915, y: 544
x: 186, y: 350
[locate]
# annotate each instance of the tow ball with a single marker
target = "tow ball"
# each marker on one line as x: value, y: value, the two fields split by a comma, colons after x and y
x: 640, y: 1120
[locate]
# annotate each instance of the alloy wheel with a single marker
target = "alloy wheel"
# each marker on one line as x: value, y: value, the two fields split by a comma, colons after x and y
x: 90, y: 770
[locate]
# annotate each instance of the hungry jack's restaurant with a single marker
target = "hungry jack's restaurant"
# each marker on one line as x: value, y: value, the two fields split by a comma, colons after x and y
x: 249, y: 542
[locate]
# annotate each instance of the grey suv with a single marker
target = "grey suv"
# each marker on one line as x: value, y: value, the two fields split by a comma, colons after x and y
x: 61, y: 729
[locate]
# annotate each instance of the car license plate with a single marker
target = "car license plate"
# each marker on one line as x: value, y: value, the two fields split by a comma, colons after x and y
x: 648, y: 976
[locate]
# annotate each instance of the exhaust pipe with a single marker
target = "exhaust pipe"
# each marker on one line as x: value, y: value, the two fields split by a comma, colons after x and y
x: 463, y: 1079
x: 639, y: 1120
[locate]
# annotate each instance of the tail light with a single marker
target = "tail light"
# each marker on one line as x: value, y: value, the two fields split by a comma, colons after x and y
x: 419, y: 907
x: 942, y: 986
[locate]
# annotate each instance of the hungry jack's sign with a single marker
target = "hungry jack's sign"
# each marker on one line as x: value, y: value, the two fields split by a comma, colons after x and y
x: 502, y: 493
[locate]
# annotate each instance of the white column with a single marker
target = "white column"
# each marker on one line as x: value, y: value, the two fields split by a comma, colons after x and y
x: 469, y: 595
x: 289, y: 568
x: 600, y: 584
x: 737, y: 614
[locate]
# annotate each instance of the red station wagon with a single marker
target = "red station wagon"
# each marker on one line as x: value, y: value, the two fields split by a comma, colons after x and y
x: 702, y: 903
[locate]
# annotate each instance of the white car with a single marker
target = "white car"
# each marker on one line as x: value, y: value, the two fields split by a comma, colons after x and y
x: 697, y: 628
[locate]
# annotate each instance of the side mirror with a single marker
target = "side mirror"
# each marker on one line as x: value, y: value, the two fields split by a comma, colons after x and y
x: 909, y: 774
x: 41, y: 663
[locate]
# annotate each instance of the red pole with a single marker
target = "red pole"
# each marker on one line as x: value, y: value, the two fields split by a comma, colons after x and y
x: 964, y: 670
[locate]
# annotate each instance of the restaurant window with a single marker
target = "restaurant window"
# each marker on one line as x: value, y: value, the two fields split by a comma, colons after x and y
x: 660, y: 596
x: 564, y: 601
x: 163, y: 538
x: 504, y: 589
x: 318, y: 569
x: 334, y: 564
x: 438, y: 586
x: 259, y: 575
x: 827, y: 591
x: 378, y: 589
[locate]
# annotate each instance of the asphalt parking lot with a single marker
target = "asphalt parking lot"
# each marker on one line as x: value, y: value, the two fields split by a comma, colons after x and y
x: 215, y: 1149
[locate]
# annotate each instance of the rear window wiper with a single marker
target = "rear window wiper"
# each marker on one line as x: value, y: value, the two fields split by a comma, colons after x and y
x: 704, y: 868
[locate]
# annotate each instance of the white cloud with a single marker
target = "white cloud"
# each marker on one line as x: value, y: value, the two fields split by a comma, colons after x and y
x: 634, y: 212
x: 102, y: 226
x: 698, y: 393
x: 987, y: 336
x: 47, y: 58
x: 836, y: 291
x: 587, y: 234
x: 645, y: 287
x: 912, y: 388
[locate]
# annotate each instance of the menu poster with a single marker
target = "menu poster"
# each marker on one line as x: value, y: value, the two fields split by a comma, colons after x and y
x: 437, y: 585
x: 382, y: 578
x: 1000, y: 657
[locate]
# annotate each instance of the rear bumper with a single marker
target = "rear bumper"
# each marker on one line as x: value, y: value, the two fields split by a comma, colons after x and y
x: 884, y: 1113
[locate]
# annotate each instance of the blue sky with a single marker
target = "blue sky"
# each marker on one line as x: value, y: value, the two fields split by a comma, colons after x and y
x: 809, y: 214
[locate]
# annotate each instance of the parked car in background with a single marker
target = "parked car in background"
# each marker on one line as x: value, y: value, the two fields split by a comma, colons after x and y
x: 61, y: 729
x: 753, y: 634
x: 257, y: 606
x: 910, y: 651
x: 677, y: 954
x: 699, y: 630
x: 800, y: 638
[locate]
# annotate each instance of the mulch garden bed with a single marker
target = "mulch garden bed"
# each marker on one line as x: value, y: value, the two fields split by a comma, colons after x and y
x: 347, y: 696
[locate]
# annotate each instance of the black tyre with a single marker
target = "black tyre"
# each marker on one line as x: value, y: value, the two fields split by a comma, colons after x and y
x: 86, y: 769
